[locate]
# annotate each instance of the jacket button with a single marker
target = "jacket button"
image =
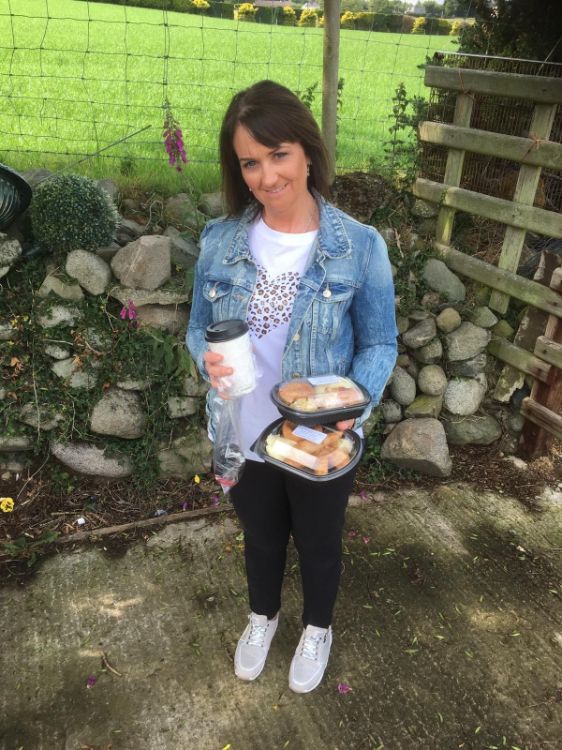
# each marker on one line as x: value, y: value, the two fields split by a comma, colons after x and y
x: 213, y: 293
x: 326, y: 293
x: 296, y: 337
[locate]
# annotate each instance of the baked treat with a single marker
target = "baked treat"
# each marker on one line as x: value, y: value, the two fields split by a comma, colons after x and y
x: 290, y: 392
x: 334, y: 452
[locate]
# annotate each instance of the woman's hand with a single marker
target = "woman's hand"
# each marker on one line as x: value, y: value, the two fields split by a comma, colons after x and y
x: 216, y: 371
x: 345, y: 425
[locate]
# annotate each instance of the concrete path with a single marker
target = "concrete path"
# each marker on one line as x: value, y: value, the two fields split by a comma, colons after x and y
x: 448, y: 630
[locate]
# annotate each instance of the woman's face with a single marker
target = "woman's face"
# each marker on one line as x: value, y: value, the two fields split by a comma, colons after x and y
x: 276, y: 176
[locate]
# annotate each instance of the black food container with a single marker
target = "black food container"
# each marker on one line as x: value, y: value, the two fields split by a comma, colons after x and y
x: 319, y: 454
x: 324, y: 399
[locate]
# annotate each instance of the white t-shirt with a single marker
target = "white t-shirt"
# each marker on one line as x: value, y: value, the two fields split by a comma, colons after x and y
x: 280, y: 260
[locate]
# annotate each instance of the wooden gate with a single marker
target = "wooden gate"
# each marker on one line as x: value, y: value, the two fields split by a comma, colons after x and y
x: 544, y: 406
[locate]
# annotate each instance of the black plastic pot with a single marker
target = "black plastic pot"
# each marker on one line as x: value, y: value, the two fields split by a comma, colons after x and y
x: 15, y: 196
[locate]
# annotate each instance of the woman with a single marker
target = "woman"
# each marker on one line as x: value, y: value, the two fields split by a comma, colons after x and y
x: 315, y: 287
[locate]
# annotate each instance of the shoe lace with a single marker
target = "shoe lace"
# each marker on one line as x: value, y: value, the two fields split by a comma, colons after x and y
x: 256, y: 636
x: 311, y: 645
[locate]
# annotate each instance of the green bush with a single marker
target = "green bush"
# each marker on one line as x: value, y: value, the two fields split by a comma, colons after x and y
x: 308, y: 17
x: 458, y: 25
x: 70, y: 212
x: 347, y: 20
x: 440, y: 26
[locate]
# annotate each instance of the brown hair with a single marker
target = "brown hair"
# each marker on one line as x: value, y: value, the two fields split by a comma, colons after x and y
x: 273, y: 115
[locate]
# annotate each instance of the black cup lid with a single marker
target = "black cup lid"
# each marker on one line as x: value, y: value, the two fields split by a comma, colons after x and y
x: 225, y: 330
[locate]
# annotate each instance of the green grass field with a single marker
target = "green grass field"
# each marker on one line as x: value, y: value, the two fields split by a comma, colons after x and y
x: 76, y: 76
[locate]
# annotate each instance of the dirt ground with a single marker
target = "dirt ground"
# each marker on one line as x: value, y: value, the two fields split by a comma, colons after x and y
x: 448, y: 632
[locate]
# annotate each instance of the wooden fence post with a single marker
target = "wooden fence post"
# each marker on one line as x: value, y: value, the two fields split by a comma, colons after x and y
x: 330, y: 78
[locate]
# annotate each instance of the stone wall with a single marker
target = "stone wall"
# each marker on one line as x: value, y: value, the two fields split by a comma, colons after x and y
x: 438, y: 394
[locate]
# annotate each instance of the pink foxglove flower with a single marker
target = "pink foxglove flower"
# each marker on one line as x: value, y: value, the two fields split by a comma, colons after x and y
x: 344, y: 688
x: 173, y: 139
x: 129, y: 311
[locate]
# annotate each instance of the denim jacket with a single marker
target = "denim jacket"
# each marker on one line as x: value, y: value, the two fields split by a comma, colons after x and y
x: 343, y: 318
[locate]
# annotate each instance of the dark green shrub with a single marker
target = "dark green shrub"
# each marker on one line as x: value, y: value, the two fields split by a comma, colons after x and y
x: 70, y: 212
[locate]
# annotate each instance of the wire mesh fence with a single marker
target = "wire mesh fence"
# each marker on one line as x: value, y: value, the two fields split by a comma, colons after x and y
x: 76, y: 77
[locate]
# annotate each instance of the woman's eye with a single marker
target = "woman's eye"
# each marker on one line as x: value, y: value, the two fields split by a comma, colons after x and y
x: 248, y: 164
x: 280, y: 154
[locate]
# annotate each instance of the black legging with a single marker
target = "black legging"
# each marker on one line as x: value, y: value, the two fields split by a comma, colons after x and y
x: 271, y: 505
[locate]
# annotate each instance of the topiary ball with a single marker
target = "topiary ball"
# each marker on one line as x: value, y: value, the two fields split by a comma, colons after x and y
x: 70, y: 212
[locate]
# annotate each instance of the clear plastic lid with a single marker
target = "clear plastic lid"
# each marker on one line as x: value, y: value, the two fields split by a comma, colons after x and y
x: 325, y: 399
x: 318, y: 453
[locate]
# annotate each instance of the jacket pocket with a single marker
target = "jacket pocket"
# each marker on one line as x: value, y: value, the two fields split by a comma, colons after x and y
x: 330, y: 304
x: 218, y: 294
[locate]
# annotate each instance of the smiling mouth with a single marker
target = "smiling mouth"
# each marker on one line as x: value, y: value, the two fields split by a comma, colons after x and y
x: 277, y: 190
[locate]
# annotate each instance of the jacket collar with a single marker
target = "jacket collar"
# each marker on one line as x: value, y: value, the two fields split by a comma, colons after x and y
x: 333, y: 240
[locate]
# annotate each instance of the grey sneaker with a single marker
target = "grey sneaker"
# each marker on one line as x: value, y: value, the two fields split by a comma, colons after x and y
x: 310, y: 659
x: 253, y: 646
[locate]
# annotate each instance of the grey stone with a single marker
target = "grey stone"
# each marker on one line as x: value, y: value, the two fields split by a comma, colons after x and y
x: 503, y: 330
x: 57, y: 352
x: 97, y: 338
x: 128, y: 231
x: 212, y: 204
x: 482, y: 316
x: 389, y: 235
x: 391, y: 411
x: 60, y: 315
x: 432, y: 380
x: 179, y: 406
x: 110, y: 188
x: 419, y: 444
x: 402, y: 323
x: 420, y: 335
x: 181, y: 211
x: 119, y: 413
x: 170, y: 318
x: 419, y: 314
x: 108, y: 253
x: 36, y: 176
x: 60, y: 288
x: 76, y: 377
x: 14, y: 443
x: 10, y: 251
x: 515, y: 422
x: 193, y: 387
x: 428, y: 227
x: 12, y: 464
x: 2, y: 394
x: 8, y: 332
x: 463, y: 396
x: 424, y: 406
x: 184, y: 250
x: 187, y: 456
x: 144, y: 264
x: 40, y: 416
x: 89, y: 460
x: 448, y: 320
x: 431, y: 300
x: 134, y: 385
x: 402, y: 387
x: 441, y: 279
x: 424, y: 209
x: 430, y: 353
x: 169, y: 295
x: 407, y: 363
x: 92, y: 272
x: 469, y: 368
x: 473, y: 429
x: 466, y: 342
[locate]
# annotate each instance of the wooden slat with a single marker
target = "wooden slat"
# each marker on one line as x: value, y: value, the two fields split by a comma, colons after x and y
x: 513, y: 85
x: 519, y: 358
x: 525, y: 217
x: 516, y: 286
x: 453, y: 170
x: 549, y: 350
x: 539, y: 153
x: 556, y: 281
x: 525, y: 193
x: 542, y: 417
